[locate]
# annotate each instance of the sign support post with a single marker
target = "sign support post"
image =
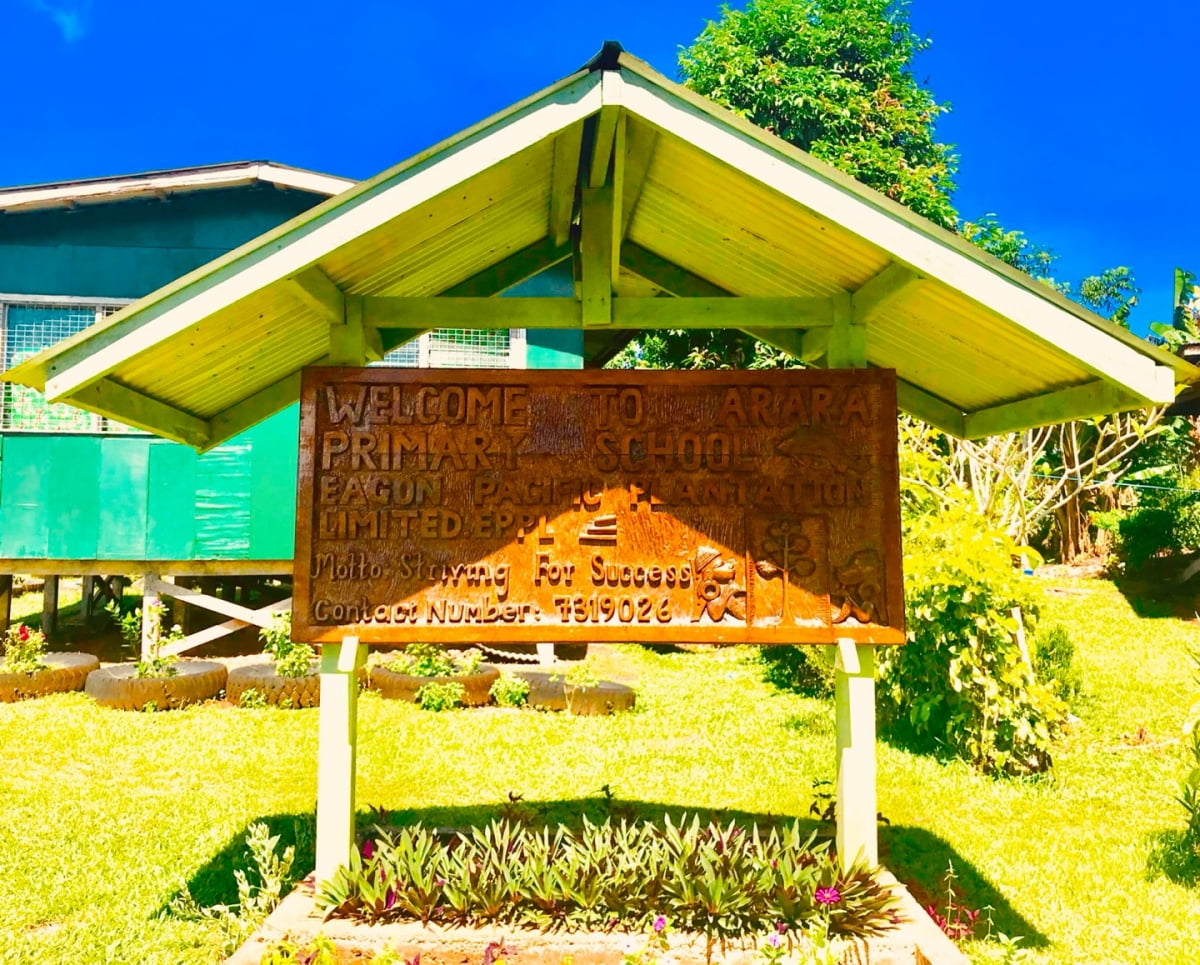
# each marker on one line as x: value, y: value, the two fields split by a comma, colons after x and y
x: 854, y: 667
x: 337, y: 753
x: 854, y: 685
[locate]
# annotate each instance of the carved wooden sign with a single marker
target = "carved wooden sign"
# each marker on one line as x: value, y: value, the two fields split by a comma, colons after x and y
x: 455, y: 506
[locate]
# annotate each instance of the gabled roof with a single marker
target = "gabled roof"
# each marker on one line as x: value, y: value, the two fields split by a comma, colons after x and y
x: 651, y: 190
x: 158, y: 184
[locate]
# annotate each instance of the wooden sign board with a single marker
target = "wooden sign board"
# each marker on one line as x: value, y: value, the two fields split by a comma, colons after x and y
x: 457, y: 506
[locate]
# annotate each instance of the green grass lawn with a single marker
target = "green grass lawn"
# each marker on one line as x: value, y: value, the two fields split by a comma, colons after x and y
x: 104, y: 814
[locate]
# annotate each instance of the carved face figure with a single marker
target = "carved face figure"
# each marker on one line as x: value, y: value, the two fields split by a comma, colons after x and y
x: 717, y: 592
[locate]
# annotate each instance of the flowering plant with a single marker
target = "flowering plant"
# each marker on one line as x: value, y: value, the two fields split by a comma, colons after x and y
x: 814, y: 946
x: 23, y: 649
x: 654, y: 951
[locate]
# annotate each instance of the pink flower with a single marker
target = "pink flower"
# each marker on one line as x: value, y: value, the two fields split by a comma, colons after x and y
x: 368, y: 849
x: 827, y: 896
x: 659, y: 924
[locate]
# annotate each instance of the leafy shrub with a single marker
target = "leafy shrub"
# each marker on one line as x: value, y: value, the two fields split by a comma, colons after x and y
x: 799, y: 669
x: 256, y: 898
x: 1054, y: 662
x: 509, y: 690
x: 723, y: 881
x: 1166, y: 520
x: 292, y: 659
x: 582, y: 675
x: 961, y: 683
x: 252, y: 699
x: 437, y: 697
x: 430, y: 660
x: 23, y: 649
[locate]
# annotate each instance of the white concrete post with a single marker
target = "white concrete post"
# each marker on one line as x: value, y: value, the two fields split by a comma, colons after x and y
x: 854, y: 682
x: 337, y: 753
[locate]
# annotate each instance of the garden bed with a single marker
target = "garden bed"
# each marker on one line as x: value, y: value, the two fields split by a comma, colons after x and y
x: 915, y: 941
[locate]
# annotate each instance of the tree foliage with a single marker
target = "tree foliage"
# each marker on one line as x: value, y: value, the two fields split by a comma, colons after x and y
x: 834, y: 78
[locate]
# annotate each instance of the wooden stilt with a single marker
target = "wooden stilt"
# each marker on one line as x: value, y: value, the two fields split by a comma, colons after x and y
x: 6, y: 584
x: 337, y: 754
x: 89, y: 596
x: 50, y: 606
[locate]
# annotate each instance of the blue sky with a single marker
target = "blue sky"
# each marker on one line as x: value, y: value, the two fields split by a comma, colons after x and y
x: 1073, y: 119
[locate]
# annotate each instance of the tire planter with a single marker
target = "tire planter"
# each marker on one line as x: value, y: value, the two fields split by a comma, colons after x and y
x: 545, y: 688
x: 63, y: 672
x: 277, y: 691
x: 401, y: 686
x: 120, y: 687
x: 605, y: 697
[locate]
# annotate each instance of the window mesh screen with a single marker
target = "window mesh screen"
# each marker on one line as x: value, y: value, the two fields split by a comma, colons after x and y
x: 451, y: 348
x: 27, y: 330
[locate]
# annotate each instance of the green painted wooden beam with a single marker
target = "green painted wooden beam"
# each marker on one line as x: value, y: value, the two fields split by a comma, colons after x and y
x: 357, y: 341
x: 1077, y: 402
x: 253, y: 409
x: 723, y: 312
x: 564, y: 181
x: 845, y: 342
x: 877, y: 294
x: 384, y: 312
x: 605, y: 134
x: 114, y: 400
x: 666, y: 274
x: 786, y: 340
x: 599, y: 251
x: 393, y: 338
x: 318, y: 293
x: 929, y: 408
x: 640, y: 142
x: 512, y: 270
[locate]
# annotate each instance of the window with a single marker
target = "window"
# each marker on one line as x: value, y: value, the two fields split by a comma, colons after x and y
x: 461, y: 348
x: 27, y: 326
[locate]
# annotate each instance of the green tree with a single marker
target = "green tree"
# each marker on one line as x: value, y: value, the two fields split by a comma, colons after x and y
x: 834, y: 78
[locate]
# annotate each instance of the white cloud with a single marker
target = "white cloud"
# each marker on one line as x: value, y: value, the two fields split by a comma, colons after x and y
x: 71, y: 19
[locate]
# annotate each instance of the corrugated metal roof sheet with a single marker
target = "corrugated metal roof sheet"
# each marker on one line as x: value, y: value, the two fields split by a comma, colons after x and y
x: 727, y: 205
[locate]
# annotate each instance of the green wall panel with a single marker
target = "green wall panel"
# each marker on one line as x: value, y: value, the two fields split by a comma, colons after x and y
x: 72, y: 498
x: 273, y: 486
x: 123, y: 484
x: 171, y: 507
x: 222, y: 506
x: 554, y: 349
x: 23, y: 497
